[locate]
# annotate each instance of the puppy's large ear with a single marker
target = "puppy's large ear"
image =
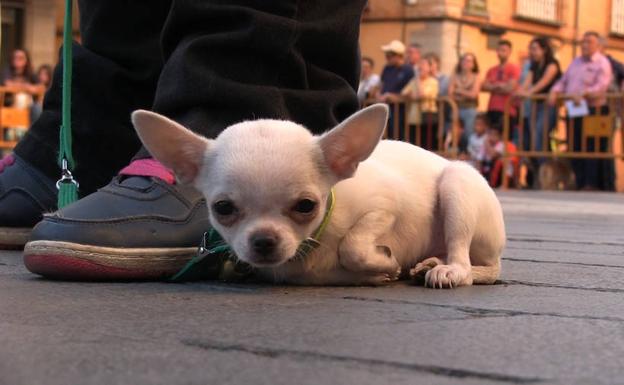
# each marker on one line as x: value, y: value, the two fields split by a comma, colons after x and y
x: 171, y: 143
x: 353, y: 140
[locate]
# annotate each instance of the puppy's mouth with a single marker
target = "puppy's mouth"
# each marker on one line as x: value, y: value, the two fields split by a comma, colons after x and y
x: 276, y: 259
x: 266, y: 260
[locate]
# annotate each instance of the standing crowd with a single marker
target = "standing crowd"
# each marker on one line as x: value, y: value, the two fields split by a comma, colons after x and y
x: 25, y: 86
x: 412, y: 83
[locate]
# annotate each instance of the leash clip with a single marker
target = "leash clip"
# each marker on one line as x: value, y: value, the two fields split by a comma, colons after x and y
x: 203, y: 250
x: 66, y: 176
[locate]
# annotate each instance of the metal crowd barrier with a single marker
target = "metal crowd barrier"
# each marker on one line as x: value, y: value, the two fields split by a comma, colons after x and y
x: 599, y: 127
x: 14, y: 116
x: 436, y: 131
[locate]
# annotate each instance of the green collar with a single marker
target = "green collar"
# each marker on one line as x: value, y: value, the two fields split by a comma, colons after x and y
x: 331, y: 202
x: 216, y: 260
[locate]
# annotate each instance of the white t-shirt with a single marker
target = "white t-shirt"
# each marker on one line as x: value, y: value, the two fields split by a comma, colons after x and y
x: 476, y: 150
x: 366, y: 85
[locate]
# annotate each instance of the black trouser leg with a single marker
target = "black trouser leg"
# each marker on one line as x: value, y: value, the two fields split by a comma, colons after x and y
x: 115, y: 72
x: 578, y: 165
x: 228, y: 61
x: 429, y: 131
x: 595, y: 173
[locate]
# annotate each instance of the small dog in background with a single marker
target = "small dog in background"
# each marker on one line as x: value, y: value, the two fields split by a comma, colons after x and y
x: 397, y: 206
x: 556, y: 174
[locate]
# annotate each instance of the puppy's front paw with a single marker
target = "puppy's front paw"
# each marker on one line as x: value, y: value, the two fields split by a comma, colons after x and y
x: 448, y: 277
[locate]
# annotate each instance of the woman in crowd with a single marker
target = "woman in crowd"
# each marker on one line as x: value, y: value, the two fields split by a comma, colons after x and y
x: 19, y: 74
x: 464, y: 87
x: 544, y: 71
x: 423, y: 90
x: 428, y: 91
x: 23, y: 83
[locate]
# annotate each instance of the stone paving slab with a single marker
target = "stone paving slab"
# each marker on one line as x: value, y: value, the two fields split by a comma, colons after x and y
x: 557, y: 317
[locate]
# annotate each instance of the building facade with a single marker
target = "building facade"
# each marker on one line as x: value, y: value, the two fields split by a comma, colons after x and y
x: 452, y: 27
x: 446, y: 27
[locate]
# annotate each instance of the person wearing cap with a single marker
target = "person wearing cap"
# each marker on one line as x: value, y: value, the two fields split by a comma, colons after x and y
x: 396, y: 74
x: 394, y: 77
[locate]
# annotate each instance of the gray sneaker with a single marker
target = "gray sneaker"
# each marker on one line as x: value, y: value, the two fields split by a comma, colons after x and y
x: 141, y: 226
x: 25, y: 194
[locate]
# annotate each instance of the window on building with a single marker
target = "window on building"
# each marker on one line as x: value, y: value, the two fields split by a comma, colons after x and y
x: 541, y: 10
x: 12, y: 30
x: 617, y: 17
x: 476, y: 6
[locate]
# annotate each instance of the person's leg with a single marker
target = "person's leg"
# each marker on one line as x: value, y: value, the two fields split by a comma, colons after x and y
x: 411, y: 130
x: 401, y: 121
x: 526, y: 134
x: 430, y: 123
x: 260, y: 59
x: 541, y: 120
x: 463, y: 116
x: 578, y: 165
x: 391, y: 121
x: 593, y: 167
x: 605, y: 173
x: 513, y: 130
x: 115, y: 71
x: 540, y: 123
x: 469, y: 115
x: 551, y: 125
x: 226, y: 61
x: 495, y: 118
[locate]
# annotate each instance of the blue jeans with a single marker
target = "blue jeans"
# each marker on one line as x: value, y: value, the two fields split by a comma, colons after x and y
x: 468, y: 117
x: 541, y: 109
x: 400, y: 122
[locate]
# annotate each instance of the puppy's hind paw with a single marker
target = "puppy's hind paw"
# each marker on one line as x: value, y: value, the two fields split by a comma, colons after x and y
x: 382, y: 279
x: 420, y: 270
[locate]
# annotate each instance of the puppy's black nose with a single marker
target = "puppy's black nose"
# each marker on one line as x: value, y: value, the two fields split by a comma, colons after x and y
x: 264, y: 244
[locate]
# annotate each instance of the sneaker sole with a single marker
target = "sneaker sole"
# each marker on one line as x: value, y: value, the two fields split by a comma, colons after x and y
x: 73, y: 261
x: 12, y: 238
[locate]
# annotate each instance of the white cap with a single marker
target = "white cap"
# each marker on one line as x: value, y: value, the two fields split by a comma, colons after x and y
x: 394, y: 46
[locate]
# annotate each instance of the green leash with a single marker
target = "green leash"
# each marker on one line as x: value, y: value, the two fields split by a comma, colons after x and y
x: 67, y: 186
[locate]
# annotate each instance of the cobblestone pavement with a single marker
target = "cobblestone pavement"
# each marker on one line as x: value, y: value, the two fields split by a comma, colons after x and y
x: 557, y: 317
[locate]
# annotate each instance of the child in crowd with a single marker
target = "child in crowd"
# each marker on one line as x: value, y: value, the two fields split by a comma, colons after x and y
x: 492, y: 165
x: 476, y: 141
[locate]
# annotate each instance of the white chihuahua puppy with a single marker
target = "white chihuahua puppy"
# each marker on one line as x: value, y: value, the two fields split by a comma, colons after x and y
x: 394, y: 206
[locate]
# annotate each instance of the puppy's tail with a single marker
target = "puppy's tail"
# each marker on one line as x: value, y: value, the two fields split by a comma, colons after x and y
x: 485, y: 275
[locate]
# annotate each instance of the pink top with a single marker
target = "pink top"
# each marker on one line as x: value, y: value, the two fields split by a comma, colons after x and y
x: 502, y: 75
x: 586, y: 75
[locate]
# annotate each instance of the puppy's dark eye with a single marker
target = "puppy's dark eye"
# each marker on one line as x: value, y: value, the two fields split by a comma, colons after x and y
x: 224, y: 208
x: 305, y: 206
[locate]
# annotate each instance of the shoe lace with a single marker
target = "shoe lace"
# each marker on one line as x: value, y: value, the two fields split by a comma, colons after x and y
x: 149, y: 167
x: 6, y: 162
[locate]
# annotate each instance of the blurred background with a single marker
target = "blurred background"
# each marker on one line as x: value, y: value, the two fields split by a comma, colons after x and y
x: 445, y: 28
